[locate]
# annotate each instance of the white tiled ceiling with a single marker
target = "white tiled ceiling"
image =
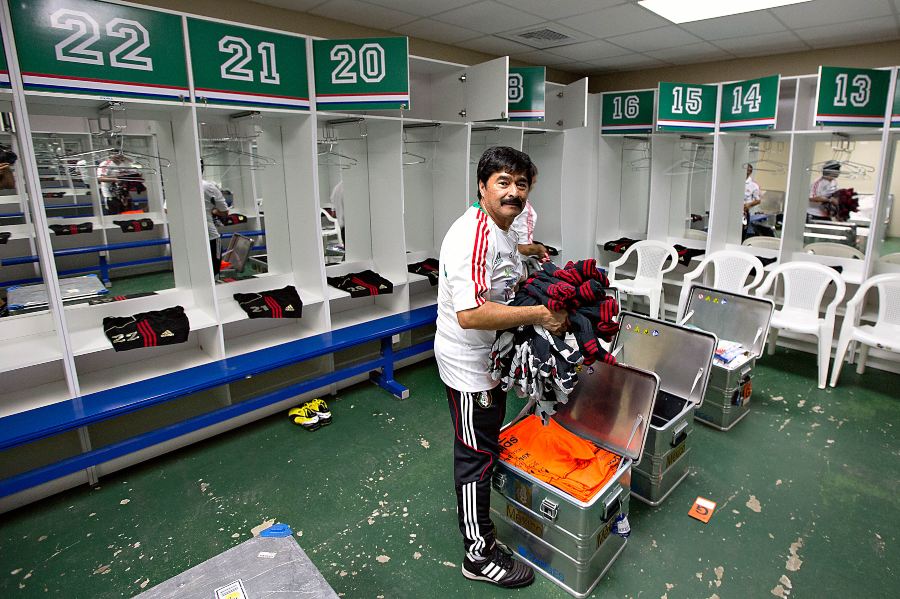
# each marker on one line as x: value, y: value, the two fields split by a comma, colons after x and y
x: 618, y: 35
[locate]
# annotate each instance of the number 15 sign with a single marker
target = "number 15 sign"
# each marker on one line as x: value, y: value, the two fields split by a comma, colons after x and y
x: 362, y: 74
x: 100, y: 49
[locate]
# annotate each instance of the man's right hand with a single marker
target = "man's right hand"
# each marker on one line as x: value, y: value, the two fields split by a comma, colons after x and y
x: 555, y: 322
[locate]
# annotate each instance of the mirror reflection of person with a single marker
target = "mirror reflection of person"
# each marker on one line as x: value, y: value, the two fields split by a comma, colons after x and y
x: 110, y: 172
x: 7, y: 160
x: 823, y: 191
x: 214, y: 204
x: 752, y: 199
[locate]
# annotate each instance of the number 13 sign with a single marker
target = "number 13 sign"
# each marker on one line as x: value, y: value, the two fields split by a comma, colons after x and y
x: 362, y: 74
x: 99, y: 49
x: 248, y: 67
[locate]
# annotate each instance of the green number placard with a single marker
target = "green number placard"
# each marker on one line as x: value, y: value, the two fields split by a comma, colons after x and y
x: 627, y: 112
x: 100, y: 49
x: 241, y: 66
x: 895, y: 113
x: 4, y: 68
x: 686, y: 107
x: 751, y: 104
x: 852, y: 97
x: 527, y: 87
x: 362, y: 74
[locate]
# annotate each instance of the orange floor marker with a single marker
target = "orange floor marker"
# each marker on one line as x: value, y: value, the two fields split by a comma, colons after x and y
x: 702, y: 509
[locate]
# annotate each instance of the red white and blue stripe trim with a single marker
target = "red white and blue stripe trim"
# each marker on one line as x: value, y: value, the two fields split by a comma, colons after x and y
x: 538, y: 114
x: 766, y: 122
x: 4, y: 78
x: 216, y: 96
x: 632, y: 127
x: 686, y: 124
x: 82, y: 85
x: 369, y: 98
x: 845, y: 119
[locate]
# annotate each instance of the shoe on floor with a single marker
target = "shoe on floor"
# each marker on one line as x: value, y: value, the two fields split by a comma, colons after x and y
x: 305, y: 417
x: 500, y: 569
x: 321, y: 409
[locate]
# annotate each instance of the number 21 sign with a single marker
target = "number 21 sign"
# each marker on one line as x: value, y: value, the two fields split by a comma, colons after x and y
x: 247, y: 67
x: 99, y: 49
x: 362, y: 74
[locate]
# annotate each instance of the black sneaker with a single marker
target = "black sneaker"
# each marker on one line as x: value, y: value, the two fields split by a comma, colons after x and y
x: 500, y: 569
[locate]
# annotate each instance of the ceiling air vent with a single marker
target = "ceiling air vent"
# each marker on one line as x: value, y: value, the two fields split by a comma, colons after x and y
x: 548, y: 35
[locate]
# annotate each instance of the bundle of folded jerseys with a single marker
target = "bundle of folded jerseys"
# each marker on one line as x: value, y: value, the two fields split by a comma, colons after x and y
x: 847, y: 202
x: 147, y: 329
x: 426, y: 268
x: 362, y: 284
x: 274, y: 303
x: 619, y: 245
x: 558, y: 457
x: 231, y: 219
x: 685, y: 254
x: 727, y: 351
x: 4, y: 236
x: 72, y: 229
x: 542, y: 366
x: 134, y: 226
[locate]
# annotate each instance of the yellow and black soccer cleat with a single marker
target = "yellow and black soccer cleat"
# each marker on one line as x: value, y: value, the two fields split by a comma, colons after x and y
x: 305, y: 417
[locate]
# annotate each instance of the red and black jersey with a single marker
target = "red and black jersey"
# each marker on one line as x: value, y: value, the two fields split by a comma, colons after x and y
x: 147, y: 329
x: 72, y: 229
x: 232, y: 219
x: 362, y: 284
x: 685, y: 254
x: 134, y: 226
x: 275, y: 303
x: 426, y: 268
x: 619, y: 245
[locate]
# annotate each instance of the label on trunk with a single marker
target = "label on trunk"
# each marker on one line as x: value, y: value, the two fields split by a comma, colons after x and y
x: 525, y: 521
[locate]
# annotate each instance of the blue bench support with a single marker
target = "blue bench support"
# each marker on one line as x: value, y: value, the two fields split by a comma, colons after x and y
x: 41, y: 423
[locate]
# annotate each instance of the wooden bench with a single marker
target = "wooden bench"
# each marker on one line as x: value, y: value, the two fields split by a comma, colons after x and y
x: 41, y: 423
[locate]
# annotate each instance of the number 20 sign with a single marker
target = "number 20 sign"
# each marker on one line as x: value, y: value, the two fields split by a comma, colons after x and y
x: 243, y: 66
x: 362, y: 74
x: 99, y: 49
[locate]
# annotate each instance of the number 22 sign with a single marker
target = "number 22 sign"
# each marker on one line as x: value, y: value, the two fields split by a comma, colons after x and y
x: 244, y: 66
x: 362, y: 74
x: 99, y: 49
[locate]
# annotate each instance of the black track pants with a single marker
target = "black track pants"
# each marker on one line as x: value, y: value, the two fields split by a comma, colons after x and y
x: 475, y: 449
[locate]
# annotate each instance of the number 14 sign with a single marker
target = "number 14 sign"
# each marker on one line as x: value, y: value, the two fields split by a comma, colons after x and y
x: 362, y: 74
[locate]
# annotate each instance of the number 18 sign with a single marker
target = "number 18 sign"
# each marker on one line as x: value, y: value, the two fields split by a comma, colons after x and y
x: 362, y: 74
x: 100, y: 49
x: 241, y: 66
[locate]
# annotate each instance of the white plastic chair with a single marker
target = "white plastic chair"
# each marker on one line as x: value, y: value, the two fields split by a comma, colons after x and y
x: 805, y: 284
x: 838, y: 250
x: 648, y: 279
x: 891, y: 258
x: 772, y: 243
x: 730, y: 272
x: 884, y: 334
x: 330, y: 227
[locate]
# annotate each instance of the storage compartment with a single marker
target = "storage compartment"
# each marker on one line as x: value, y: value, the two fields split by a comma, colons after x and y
x: 650, y: 344
x: 570, y: 541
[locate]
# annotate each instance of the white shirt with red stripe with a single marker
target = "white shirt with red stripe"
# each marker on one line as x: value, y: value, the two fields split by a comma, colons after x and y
x: 821, y: 188
x: 525, y: 223
x: 479, y: 262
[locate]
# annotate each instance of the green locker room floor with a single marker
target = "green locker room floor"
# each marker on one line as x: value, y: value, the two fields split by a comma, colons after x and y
x: 806, y: 485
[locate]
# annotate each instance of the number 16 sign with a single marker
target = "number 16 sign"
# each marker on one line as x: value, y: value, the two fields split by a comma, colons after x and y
x: 362, y: 74
x: 100, y: 49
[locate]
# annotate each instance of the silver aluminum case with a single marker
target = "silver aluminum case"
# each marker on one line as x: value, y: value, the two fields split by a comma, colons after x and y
x: 653, y: 488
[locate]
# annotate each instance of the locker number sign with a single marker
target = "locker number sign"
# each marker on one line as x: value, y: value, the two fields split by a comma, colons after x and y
x: 750, y: 104
x: 526, y: 93
x: 4, y: 69
x: 852, y: 97
x: 686, y: 107
x: 627, y: 112
x: 362, y: 74
x: 100, y: 49
x: 895, y: 113
x: 241, y: 66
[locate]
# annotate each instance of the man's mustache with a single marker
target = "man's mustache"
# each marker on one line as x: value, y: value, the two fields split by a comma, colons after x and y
x: 512, y: 202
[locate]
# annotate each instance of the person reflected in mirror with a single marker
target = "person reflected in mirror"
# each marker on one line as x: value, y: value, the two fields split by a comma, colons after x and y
x: 823, y: 191
x: 214, y: 205
x: 752, y: 199
x: 116, y: 199
x: 7, y: 160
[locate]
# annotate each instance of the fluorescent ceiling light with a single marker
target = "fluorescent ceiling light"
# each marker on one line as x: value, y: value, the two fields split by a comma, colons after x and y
x: 685, y: 11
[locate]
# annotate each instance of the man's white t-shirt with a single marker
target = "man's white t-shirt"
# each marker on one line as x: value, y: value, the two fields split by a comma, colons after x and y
x: 524, y: 224
x: 109, y: 168
x: 751, y: 193
x: 212, y: 199
x: 822, y: 187
x: 479, y: 262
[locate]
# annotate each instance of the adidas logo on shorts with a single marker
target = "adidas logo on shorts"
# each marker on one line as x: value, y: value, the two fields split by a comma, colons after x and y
x: 167, y: 333
x: 289, y: 308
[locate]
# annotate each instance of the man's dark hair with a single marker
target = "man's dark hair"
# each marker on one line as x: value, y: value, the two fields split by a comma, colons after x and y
x: 503, y: 159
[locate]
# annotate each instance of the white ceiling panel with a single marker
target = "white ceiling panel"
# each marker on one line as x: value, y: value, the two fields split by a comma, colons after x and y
x: 759, y: 45
x: 575, y: 67
x: 864, y: 31
x: 735, y: 26
x: 488, y: 17
x: 588, y: 51
x: 625, y: 18
x: 632, y: 61
x: 655, y: 39
x: 559, y: 10
x: 496, y: 45
x: 299, y: 5
x: 541, y: 58
x: 429, y: 29
x: 422, y: 8
x: 690, y: 53
x: 361, y: 13
x: 831, y: 12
